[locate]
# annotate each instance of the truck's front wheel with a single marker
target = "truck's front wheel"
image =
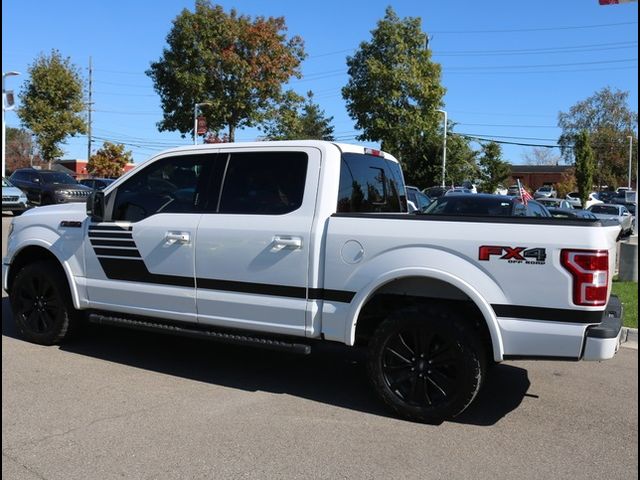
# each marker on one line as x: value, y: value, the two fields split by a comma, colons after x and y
x: 426, y: 364
x: 41, y: 303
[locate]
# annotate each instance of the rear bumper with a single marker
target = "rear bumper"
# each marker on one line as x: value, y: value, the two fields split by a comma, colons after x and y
x: 602, y: 341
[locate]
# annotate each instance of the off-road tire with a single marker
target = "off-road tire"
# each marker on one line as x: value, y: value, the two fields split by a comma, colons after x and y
x: 398, y: 366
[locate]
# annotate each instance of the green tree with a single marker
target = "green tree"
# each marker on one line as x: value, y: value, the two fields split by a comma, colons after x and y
x: 585, y: 165
x: 423, y: 167
x: 109, y: 161
x: 493, y: 170
x: 51, y: 103
x: 233, y: 62
x: 298, y: 118
x: 608, y: 120
x: 394, y: 88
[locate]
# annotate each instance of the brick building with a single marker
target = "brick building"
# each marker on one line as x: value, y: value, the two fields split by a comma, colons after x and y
x: 79, y: 167
x: 535, y: 176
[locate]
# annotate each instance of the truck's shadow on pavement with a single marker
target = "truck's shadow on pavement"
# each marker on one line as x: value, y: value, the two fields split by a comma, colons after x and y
x: 332, y: 374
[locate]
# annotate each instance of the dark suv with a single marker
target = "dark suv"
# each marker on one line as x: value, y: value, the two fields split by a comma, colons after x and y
x: 47, y: 187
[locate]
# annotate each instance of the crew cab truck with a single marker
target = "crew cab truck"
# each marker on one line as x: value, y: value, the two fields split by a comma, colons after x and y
x: 283, y: 244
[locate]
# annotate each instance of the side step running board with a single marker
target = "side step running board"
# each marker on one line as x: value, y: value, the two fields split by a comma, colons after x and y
x: 198, y: 331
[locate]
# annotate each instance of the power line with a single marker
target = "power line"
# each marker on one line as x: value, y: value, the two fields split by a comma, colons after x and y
x: 592, y: 47
x: 527, y: 72
x: 119, y: 112
x: 122, y: 84
x: 505, y: 125
x: 633, y: 45
x: 128, y: 94
x: 535, y: 29
x: 569, y: 64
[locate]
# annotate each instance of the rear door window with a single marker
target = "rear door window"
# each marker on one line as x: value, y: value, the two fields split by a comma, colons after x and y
x: 263, y: 183
x: 370, y: 183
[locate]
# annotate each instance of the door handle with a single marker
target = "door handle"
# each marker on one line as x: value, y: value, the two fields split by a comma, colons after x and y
x: 177, y: 237
x: 285, y: 241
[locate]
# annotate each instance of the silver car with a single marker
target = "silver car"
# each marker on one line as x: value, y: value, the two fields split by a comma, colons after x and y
x: 546, y: 191
x: 619, y: 213
x: 556, y: 203
x: 13, y: 198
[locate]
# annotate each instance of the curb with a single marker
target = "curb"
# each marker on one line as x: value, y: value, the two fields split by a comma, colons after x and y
x: 629, y: 336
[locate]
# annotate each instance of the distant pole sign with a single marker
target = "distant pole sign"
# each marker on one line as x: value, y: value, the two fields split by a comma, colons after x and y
x: 615, y: 2
x: 202, y: 125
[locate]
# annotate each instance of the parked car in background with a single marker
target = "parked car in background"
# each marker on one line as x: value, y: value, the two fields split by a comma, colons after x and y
x: 47, y: 187
x: 593, y: 200
x: 501, y: 190
x: 97, y: 183
x: 623, y: 198
x: 417, y: 200
x: 571, y: 213
x: 457, y: 190
x: 574, y: 199
x: 435, y: 191
x: 606, y: 196
x: 607, y: 211
x: 13, y: 199
x: 469, y: 186
x: 513, y: 190
x: 546, y: 191
x: 484, y: 204
x: 556, y: 203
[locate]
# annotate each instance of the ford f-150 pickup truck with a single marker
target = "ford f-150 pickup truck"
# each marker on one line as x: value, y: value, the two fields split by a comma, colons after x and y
x: 283, y: 244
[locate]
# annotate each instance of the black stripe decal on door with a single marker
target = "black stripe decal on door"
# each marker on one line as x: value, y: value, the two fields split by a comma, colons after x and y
x: 136, y: 271
x: 110, y: 227
x: 117, y: 252
x: 113, y: 243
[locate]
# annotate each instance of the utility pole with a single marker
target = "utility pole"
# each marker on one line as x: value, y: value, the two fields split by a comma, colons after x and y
x: 444, y: 147
x: 630, y: 157
x: 89, y: 106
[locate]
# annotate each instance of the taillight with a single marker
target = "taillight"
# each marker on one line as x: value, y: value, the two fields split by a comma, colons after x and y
x: 590, y: 272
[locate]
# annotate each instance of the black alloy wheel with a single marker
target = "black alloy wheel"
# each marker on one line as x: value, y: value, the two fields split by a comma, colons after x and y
x: 41, y: 303
x: 426, y: 364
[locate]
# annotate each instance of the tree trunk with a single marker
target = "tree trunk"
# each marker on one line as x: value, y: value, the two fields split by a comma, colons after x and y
x: 232, y: 133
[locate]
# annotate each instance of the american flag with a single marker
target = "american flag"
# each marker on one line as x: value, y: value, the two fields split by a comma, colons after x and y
x: 525, y: 196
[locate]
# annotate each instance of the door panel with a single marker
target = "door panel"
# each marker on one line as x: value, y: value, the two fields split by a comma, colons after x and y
x: 134, y: 268
x: 252, y: 266
x: 143, y: 261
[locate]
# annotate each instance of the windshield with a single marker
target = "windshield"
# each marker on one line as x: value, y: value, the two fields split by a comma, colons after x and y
x: 5, y: 183
x: 57, y: 178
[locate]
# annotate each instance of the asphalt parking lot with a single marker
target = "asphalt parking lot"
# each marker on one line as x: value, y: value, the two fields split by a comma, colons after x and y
x: 121, y: 404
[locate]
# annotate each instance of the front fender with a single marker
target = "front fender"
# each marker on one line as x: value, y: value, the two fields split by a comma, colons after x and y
x: 66, y: 246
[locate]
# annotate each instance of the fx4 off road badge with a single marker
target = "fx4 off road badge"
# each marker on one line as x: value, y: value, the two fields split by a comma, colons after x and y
x: 529, y: 256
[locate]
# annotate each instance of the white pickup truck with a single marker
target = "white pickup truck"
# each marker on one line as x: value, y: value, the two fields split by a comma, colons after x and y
x: 283, y: 244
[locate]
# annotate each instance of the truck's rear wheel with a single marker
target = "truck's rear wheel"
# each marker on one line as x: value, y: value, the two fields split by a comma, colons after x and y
x: 426, y: 364
x: 41, y: 303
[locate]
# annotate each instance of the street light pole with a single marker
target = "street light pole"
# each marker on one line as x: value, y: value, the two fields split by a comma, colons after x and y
x: 4, y: 131
x: 444, y: 148
x: 195, y: 121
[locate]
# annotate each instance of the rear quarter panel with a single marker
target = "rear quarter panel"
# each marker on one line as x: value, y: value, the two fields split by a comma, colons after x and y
x: 397, y: 246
